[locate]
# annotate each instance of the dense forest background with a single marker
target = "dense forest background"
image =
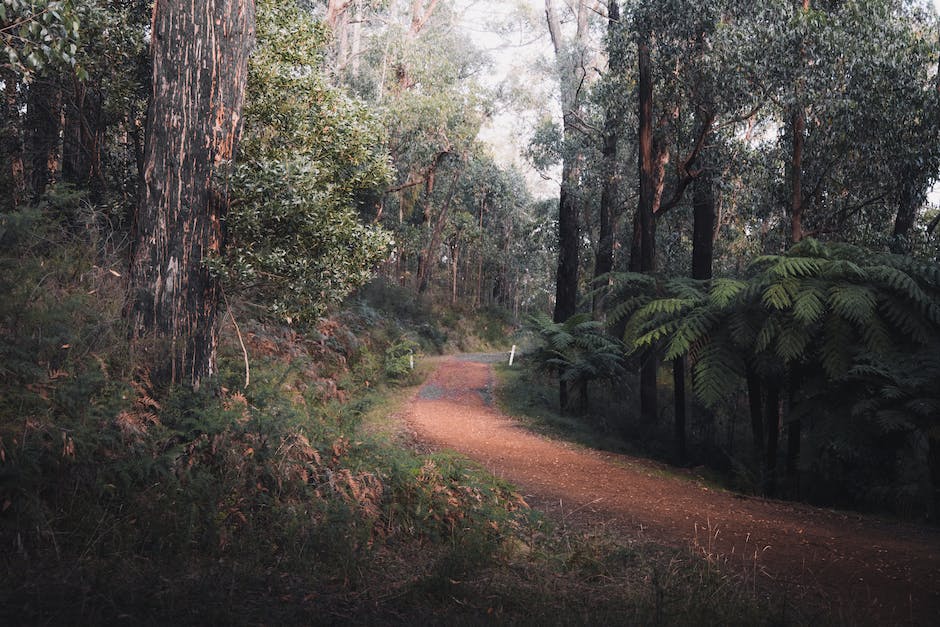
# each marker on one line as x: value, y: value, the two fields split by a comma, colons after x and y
x: 225, y: 224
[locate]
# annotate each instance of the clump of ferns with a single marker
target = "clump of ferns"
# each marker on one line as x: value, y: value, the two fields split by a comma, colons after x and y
x: 579, y: 351
x: 820, y: 311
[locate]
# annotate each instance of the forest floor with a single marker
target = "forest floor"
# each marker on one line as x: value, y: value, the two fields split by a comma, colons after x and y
x: 857, y: 567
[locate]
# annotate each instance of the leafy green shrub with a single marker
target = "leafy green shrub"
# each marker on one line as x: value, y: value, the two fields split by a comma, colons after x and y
x: 579, y: 350
x: 399, y: 359
x: 309, y: 155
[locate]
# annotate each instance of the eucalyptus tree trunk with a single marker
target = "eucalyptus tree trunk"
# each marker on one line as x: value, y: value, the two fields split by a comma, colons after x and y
x: 571, y: 72
x: 703, y: 238
x: 429, y: 258
x: 754, y: 396
x: 772, y: 429
x: 83, y: 136
x: 797, y: 206
x: 570, y: 59
x: 200, y: 54
x: 703, y: 226
x: 604, y: 260
x: 646, y: 219
x: 908, y: 200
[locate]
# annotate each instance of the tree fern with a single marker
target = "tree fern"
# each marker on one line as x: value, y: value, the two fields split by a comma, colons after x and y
x: 855, y: 303
x: 809, y: 305
x: 723, y: 292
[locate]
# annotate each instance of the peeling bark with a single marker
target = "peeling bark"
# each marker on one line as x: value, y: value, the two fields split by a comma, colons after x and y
x: 200, y: 54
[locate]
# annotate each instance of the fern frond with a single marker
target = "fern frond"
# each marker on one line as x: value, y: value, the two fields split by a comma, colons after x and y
x: 844, y: 270
x: 906, y: 319
x: 692, y: 329
x: 795, y: 267
x: 852, y: 302
x: 792, y: 342
x: 780, y: 295
x: 686, y: 288
x: 723, y: 291
x: 809, y: 247
x: 893, y: 420
x: 626, y: 308
x: 876, y: 336
x: 664, y: 306
x: 656, y: 334
x: 809, y: 305
x: 716, y: 371
x: 836, y: 350
x: 768, y: 332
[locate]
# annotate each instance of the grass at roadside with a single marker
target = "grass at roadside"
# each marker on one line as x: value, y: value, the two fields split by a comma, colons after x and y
x: 537, y: 572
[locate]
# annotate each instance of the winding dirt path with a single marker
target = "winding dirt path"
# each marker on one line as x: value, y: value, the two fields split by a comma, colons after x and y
x: 854, y: 565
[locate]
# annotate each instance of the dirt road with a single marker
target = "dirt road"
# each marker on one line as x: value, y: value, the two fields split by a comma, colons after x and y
x: 852, y: 564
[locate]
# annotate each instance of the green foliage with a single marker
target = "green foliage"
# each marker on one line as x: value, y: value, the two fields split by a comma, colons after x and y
x: 37, y: 33
x: 839, y: 326
x: 399, y: 359
x: 578, y: 350
x: 310, y: 154
x: 824, y: 304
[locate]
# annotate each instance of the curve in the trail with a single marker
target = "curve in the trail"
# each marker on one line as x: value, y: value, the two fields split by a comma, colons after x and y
x: 851, y: 563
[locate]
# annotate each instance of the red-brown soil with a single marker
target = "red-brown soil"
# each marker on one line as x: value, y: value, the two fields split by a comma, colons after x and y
x: 853, y: 565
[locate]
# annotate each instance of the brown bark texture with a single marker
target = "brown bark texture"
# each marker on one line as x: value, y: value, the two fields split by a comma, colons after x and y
x: 646, y: 219
x: 83, y: 136
x: 200, y: 52
x: 570, y: 59
x: 703, y: 227
x: 604, y: 260
x: 647, y: 161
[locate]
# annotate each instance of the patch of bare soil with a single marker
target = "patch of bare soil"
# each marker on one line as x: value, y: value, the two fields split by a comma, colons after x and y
x: 853, y: 565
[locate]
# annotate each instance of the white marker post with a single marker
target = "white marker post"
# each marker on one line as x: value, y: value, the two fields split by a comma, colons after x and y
x: 512, y: 354
x: 411, y: 360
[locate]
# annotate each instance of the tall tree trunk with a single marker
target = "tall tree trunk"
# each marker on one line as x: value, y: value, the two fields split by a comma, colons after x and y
x: 428, y: 259
x: 83, y: 137
x: 703, y: 226
x: 772, y: 428
x: 453, y: 291
x: 794, y: 427
x: 43, y: 123
x: 793, y: 458
x: 479, y: 298
x: 569, y: 74
x: 794, y: 432
x: 646, y: 219
x: 569, y: 57
x: 754, y: 398
x: 908, y: 201
x: 200, y: 52
x: 604, y: 260
x: 566, y: 278
x: 933, y: 465
x: 798, y: 129
x: 678, y: 379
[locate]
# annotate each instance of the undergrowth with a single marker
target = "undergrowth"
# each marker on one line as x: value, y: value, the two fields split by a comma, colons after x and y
x: 270, y: 503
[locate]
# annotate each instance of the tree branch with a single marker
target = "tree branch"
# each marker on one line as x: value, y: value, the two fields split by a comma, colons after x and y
x: 685, y: 176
